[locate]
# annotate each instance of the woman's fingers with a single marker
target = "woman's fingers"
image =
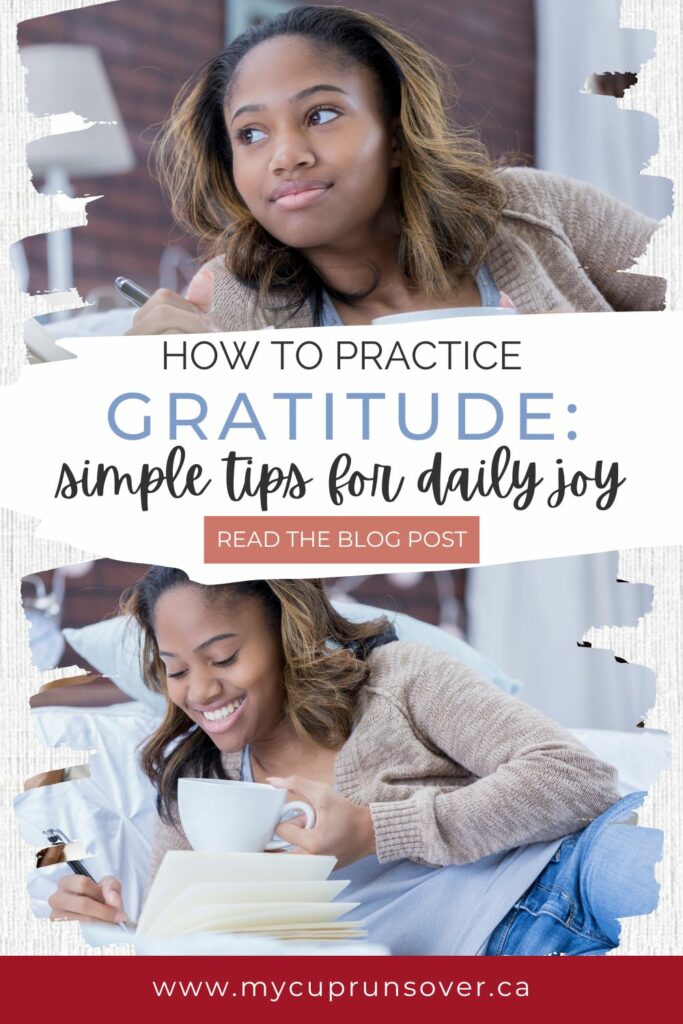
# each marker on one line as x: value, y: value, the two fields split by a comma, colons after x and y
x: 298, y: 821
x: 305, y: 838
x: 200, y: 290
x: 166, y: 297
x: 165, y: 318
x: 80, y: 885
x: 80, y: 898
x: 317, y: 793
x: 166, y: 312
x: 111, y: 890
x: 75, y: 907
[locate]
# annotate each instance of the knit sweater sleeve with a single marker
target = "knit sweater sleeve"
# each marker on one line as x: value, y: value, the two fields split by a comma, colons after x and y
x: 605, y: 234
x: 608, y: 237
x: 236, y: 305
x: 534, y: 780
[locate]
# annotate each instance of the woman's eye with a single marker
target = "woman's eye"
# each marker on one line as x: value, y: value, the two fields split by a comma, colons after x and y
x: 248, y: 136
x: 175, y: 675
x: 226, y: 661
x: 323, y: 115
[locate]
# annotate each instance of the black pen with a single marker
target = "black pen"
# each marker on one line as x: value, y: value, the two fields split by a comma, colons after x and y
x: 131, y: 291
x: 57, y: 838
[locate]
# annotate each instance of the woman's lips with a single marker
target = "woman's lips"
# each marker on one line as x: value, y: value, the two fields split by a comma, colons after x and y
x: 222, y: 725
x: 295, y: 196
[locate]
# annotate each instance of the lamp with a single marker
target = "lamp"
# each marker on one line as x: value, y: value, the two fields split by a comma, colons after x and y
x: 63, y: 78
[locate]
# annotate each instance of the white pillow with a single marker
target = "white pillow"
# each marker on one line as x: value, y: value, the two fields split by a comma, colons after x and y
x: 639, y: 756
x: 112, y: 811
x: 113, y: 647
x: 409, y: 628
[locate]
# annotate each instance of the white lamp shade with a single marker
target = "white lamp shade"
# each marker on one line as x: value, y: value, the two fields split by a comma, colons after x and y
x: 62, y: 79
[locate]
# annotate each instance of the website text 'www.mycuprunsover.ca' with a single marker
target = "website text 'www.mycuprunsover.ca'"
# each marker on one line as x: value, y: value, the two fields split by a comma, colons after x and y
x: 330, y: 990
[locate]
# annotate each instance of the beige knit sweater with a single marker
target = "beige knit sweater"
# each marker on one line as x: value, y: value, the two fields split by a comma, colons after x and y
x: 561, y: 244
x: 452, y: 768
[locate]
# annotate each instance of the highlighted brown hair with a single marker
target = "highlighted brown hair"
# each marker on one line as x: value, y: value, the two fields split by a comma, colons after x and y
x: 449, y: 200
x: 323, y: 669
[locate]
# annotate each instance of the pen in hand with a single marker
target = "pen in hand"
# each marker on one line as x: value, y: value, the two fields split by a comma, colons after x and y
x: 131, y: 291
x: 166, y: 312
x: 57, y: 838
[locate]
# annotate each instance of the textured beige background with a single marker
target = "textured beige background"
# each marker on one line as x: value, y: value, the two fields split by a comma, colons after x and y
x: 656, y: 641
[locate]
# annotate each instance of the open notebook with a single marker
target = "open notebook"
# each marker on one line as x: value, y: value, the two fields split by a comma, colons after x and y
x: 41, y: 346
x: 258, y: 893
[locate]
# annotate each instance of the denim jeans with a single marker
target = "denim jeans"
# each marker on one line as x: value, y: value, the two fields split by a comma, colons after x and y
x: 596, y: 876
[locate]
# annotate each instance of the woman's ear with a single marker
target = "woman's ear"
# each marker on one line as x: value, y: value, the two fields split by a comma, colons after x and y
x: 396, y: 142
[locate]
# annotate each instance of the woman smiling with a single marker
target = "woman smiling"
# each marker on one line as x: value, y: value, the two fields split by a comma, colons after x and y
x: 314, y: 159
x: 464, y: 821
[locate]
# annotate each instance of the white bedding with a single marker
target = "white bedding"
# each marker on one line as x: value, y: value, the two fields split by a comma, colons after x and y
x: 112, y: 812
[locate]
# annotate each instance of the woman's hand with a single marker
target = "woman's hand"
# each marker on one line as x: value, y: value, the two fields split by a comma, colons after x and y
x: 79, y: 898
x: 168, y: 313
x: 342, y: 828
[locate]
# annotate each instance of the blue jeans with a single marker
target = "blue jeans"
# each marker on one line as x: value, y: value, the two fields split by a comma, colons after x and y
x: 596, y: 876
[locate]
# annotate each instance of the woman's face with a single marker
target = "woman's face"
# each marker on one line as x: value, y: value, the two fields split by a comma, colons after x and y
x: 223, y: 665
x: 313, y: 154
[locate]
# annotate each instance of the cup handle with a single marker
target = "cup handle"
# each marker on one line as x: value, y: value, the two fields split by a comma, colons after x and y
x: 293, y: 805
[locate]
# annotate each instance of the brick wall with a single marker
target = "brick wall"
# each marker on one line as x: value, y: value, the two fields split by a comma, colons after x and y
x: 95, y: 596
x: 150, y: 47
x: 489, y: 46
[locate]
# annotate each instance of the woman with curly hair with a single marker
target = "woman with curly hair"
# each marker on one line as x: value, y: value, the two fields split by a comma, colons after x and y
x: 314, y: 159
x: 465, y: 821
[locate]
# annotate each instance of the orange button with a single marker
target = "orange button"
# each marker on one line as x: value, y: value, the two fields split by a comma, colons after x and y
x: 399, y: 540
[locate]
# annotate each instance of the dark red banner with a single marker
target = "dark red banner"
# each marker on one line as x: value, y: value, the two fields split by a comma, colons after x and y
x: 351, y: 989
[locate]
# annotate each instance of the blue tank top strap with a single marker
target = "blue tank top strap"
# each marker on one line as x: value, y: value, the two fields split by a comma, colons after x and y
x: 488, y: 289
x: 329, y: 317
x: 245, y: 771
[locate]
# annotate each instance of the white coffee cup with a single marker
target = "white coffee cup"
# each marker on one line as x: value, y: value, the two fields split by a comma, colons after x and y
x: 443, y: 314
x: 220, y: 816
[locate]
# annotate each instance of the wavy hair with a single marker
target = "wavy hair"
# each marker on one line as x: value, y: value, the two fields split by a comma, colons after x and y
x: 323, y: 657
x: 449, y: 199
